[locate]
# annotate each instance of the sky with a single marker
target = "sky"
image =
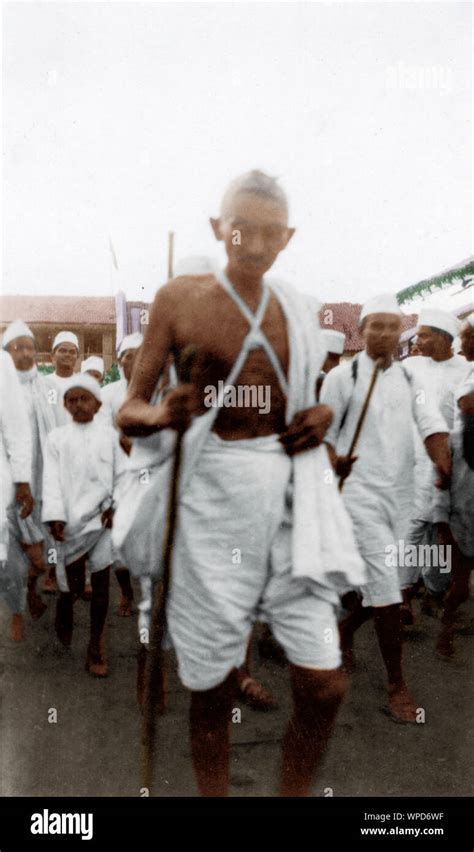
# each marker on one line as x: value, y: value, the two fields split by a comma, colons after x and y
x: 122, y: 121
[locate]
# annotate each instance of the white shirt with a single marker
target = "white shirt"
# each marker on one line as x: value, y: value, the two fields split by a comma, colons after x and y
x: 385, y: 450
x: 438, y: 379
x: 81, y: 467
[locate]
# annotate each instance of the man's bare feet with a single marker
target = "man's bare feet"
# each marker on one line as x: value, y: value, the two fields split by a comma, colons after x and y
x: 252, y: 692
x: 401, y: 707
x: 96, y: 662
x: 16, y: 628
x: 445, y: 643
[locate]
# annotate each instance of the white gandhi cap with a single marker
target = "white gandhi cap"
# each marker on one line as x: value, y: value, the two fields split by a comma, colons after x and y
x: 94, y: 362
x: 441, y: 320
x: 131, y: 341
x: 88, y: 383
x: 17, y: 328
x: 333, y: 341
x: 66, y: 337
x: 384, y: 304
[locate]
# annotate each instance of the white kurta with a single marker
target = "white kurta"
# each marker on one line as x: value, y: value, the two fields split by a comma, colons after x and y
x: 15, y: 442
x: 83, y: 462
x: 439, y: 380
x: 379, y: 490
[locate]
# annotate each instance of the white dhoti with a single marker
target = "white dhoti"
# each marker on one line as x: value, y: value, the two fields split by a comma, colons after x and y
x: 232, y: 564
x: 376, y: 534
x: 96, y: 545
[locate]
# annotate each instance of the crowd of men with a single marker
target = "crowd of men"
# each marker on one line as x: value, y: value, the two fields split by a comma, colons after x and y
x: 289, y: 517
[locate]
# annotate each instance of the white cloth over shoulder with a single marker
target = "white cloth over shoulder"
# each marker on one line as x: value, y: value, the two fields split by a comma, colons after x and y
x: 323, y: 548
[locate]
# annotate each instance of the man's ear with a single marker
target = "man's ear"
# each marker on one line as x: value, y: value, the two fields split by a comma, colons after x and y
x: 216, y: 227
x: 289, y: 234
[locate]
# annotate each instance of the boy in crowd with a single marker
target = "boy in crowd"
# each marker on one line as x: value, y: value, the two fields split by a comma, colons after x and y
x: 82, y: 462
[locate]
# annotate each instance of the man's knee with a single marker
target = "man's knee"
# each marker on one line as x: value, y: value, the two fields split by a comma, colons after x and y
x: 318, y: 687
x: 215, y: 701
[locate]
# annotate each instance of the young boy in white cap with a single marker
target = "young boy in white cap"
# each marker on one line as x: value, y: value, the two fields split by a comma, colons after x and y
x: 28, y: 535
x: 379, y: 487
x: 437, y: 374
x: 453, y: 513
x: 92, y: 366
x: 82, y: 463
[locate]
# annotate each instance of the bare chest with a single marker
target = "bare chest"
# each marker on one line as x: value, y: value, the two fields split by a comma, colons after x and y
x: 217, y: 328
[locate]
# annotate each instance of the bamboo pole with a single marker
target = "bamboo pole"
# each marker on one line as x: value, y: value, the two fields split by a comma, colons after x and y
x: 377, y: 367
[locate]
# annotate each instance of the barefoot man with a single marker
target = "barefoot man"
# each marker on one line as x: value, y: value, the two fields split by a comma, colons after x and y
x: 250, y: 530
x: 379, y: 486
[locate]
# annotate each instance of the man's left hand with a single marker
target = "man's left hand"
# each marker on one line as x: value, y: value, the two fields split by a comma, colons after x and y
x: 307, y: 429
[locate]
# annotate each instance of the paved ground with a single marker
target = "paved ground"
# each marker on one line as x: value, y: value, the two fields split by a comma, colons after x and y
x: 93, y: 749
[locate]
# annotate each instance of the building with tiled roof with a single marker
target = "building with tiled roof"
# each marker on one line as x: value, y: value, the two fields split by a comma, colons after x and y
x: 92, y: 318
x: 100, y: 322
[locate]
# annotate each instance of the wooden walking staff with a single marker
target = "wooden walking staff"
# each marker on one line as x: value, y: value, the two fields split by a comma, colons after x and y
x: 154, y: 666
x: 377, y: 367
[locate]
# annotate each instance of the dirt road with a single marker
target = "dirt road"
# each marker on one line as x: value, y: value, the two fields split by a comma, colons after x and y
x: 93, y: 747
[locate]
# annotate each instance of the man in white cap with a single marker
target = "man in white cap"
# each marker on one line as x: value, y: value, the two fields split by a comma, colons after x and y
x: 334, y: 342
x: 94, y: 366
x: 64, y: 355
x: 28, y: 536
x: 82, y: 463
x: 15, y: 473
x: 437, y: 374
x: 379, y: 485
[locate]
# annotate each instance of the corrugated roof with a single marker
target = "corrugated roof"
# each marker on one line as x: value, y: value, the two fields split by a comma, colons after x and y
x: 75, y: 310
